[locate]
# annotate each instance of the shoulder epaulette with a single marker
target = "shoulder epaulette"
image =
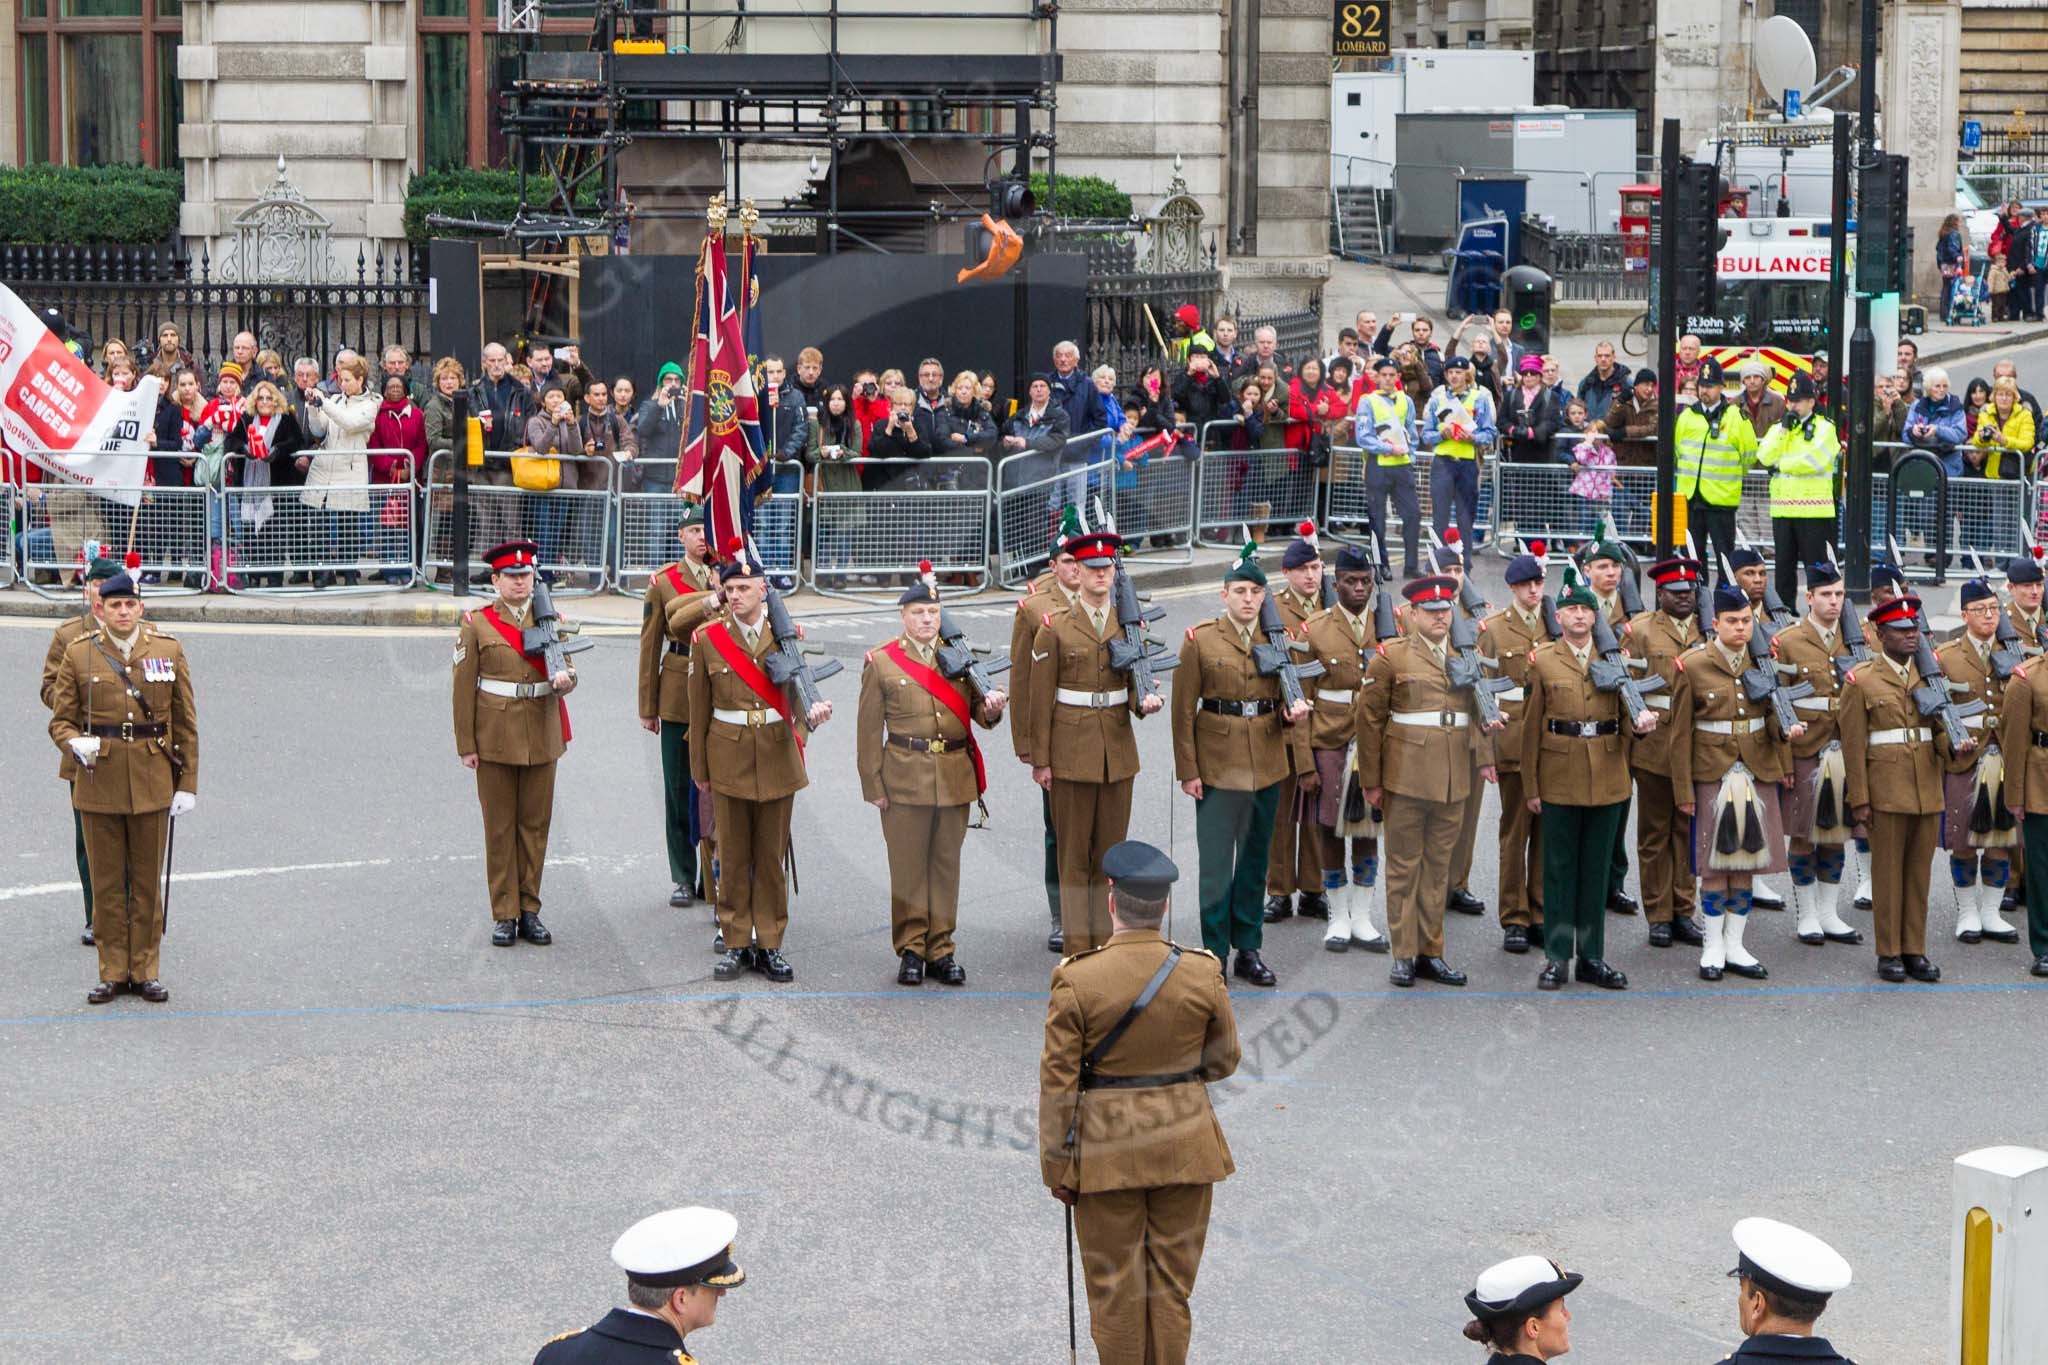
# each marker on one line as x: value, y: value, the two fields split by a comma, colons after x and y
x: 1850, y: 676
x: 1046, y: 618
x: 1191, y: 632
x: 565, y: 1336
x: 163, y: 634
x: 2020, y: 669
x: 1382, y: 648
x: 1189, y: 948
x: 466, y: 616
x: 869, y: 656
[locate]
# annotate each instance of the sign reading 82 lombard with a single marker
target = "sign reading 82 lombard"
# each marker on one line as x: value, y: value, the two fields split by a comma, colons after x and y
x: 1359, y: 29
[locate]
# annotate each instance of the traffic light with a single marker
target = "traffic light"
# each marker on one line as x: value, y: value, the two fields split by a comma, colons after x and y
x: 1883, y: 249
x: 996, y: 245
x: 1699, y: 240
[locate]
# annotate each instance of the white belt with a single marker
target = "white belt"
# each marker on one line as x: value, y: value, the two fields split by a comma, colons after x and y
x: 1067, y: 696
x: 1434, y: 720
x: 1902, y: 736
x: 1512, y: 694
x: 1342, y: 697
x: 1658, y: 701
x: 1815, y: 703
x: 750, y: 717
x: 1729, y: 727
x: 513, y: 689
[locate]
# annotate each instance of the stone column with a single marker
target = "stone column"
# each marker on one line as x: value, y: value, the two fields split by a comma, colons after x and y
x: 1920, y: 91
x: 1703, y: 69
x: 1293, y: 257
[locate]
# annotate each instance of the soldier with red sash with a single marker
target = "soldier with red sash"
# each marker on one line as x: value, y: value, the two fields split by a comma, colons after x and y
x: 744, y: 746
x: 680, y: 597
x: 921, y: 767
x: 511, y: 725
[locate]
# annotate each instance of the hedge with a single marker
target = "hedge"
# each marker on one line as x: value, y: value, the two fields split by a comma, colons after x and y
x: 488, y: 195
x: 89, y: 205
x: 1082, y: 196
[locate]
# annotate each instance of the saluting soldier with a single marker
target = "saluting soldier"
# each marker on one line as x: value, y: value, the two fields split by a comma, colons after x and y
x: 1727, y: 766
x: 1135, y: 1015
x: 1051, y: 591
x: 121, y: 706
x: 1294, y: 862
x: 2025, y: 736
x: 1895, y: 762
x: 680, y: 596
x: 678, y: 1265
x: 1785, y: 1277
x: 511, y: 726
x: 1574, y: 772
x: 1342, y: 640
x: 1449, y: 558
x: 1604, y: 563
x: 1512, y: 636
x: 1083, y: 751
x: 1663, y: 846
x: 71, y: 628
x: 1234, y: 745
x: 743, y: 721
x: 921, y: 767
x: 1978, y: 839
x: 1417, y: 751
x: 1816, y: 806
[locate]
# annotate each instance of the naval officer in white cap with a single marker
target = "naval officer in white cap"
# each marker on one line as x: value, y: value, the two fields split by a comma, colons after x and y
x: 1518, y: 1310
x: 678, y: 1265
x: 1787, y: 1276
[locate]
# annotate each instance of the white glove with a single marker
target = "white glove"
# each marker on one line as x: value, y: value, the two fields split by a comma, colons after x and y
x: 85, y: 748
x: 182, y: 803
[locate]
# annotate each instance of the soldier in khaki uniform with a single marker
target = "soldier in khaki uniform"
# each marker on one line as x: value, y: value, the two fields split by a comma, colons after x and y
x: 1727, y: 766
x: 1663, y: 855
x: 1234, y: 746
x: 1574, y: 772
x: 1886, y: 583
x: 68, y: 630
x: 921, y: 767
x: 1604, y: 562
x: 1053, y: 590
x: 1417, y: 751
x: 1136, y: 1166
x: 2025, y: 736
x: 1751, y: 574
x: 1811, y: 647
x: 1083, y: 751
x: 2023, y: 589
x: 121, y: 706
x: 1450, y: 561
x: 1895, y: 760
x: 680, y: 597
x: 1966, y: 660
x: 511, y: 725
x: 1341, y: 638
x: 744, y: 747
x: 1294, y: 861
x: 1512, y: 636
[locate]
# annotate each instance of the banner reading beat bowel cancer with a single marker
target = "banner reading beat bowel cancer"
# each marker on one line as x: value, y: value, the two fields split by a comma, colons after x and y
x: 58, y: 413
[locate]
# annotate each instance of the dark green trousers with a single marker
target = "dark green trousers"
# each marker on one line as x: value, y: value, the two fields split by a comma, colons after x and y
x: 679, y: 803
x: 1052, y: 856
x: 84, y: 869
x: 1577, y: 838
x: 1234, y: 832
x: 1617, y: 867
x: 2035, y: 831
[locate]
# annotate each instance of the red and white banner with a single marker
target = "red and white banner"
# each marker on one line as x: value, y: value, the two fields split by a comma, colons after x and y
x: 57, y: 413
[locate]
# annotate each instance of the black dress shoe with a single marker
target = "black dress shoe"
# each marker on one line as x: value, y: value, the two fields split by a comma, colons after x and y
x: 1920, y: 969
x: 1514, y: 939
x: 1372, y: 945
x: 533, y: 931
x: 88, y: 940
x: 770, y: 963
x: 1314, y: 905
x: 1764, y: 900
x: 1621, y: 902
x: 2040, y: 967
x: 1553, y: 976
x: 1056, y: 941
x: 1852, y: 936
x: 1600, y: 974
x: 682, y: 896
x: 1279, y: 908
x: 156, y: 992
x: 1660, y: 935
x: 2002, y: 935
x: 2012, y: 897
x: 948, y: 972
x: 1403, y: 973
x: 1813, y: 938
x: 1755, y: 971
x: 1437, y: 970
x: 1863, y: 902
x: 1683, y: 930
x: 504, y: 933
x: 1251, y: 968
x: 1970, y: 936
x: 718, y: 940
x: 1464, y: 902
x: 104, y: 991
x: 911, y: 972
x: 1709, y: 973
x: 1891, y: 969
x: 732, y: 964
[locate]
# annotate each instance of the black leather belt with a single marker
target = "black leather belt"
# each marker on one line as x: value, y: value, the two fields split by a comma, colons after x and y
x: 927, y: 746
x: 1585, y: 729
x: 678, y: 647
x: 1216, y: 707
x: 1091, y: 1081
x: 2041, y: 739
x: 129, y: 730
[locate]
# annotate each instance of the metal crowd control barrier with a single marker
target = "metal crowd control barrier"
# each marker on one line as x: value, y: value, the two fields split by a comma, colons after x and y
x: 1536, y: 502
x: 571, y: 524
x: 871, y: 539
x: 1349, y: 511
x: 645, y: 526
x: 287, y: 538
x: 7, y: 501
x: 172, y: 533
x: 1269, y: 486
x: 1153, y: 501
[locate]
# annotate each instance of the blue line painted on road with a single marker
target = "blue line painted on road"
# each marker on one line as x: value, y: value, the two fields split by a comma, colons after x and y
x: 1036, y: 997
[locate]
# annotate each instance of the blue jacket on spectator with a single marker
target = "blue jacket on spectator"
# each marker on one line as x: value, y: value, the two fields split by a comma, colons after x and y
x: 1077, y: 394
x: 1950, y: 430
x: 1599, y: 394
x: 1046, y: 435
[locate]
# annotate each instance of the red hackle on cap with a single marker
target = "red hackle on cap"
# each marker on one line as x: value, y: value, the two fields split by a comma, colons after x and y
x: 132, y: 560
x: 1307, y: 528
x: 2040, y: 550
x: 1538, y: 548
x: 733, y: 546
x: 1450, y: 535
x: 924, y: 566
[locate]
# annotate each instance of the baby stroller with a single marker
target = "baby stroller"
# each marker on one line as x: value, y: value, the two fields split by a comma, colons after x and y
x: 1970, y: 303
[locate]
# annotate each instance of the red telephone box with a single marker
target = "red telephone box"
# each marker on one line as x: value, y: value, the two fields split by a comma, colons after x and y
x: 1638, y: 204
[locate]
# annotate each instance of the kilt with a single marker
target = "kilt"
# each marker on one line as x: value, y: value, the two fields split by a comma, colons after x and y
x: 1956, y: 790
x: 1767, y: 794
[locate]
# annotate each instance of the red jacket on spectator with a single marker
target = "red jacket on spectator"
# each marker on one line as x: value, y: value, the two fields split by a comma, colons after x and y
x: 1303, y: 422
x: 870, y: 413
x: 399, y: 426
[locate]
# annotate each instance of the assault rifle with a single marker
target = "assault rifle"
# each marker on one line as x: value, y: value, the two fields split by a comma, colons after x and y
x: 1134, y: 653
x: 1275, y: 658
x: 1466, y: 668
x: 1763, y: 681
x: 544, y: 636
x: 958, y: 657
x: 790, y: 661
x: 1610, y: 671
x: 1935, y: 696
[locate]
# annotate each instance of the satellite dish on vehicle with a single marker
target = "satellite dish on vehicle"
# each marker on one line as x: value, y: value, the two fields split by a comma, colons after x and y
x: 1783, y: 55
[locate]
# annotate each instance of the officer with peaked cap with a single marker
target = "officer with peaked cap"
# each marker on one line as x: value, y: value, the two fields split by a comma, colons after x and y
x: 1518, y: 1309
x: 678, y: 1265
x: 1449, y: 559
x: 1136, y: 1030
x: 1294, y: 857
x: 98, y: 571
x: 1787, y: 1276
x: 1713, y: 445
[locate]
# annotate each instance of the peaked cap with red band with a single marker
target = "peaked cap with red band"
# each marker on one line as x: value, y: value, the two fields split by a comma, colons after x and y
x: 1434, y: 593
x: 1667, y: 573
x: 1095, y: 547
x: 514, y: 556
x: 1903, y: 610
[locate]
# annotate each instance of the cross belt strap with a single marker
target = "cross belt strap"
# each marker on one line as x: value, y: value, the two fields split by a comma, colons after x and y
x: 752, y: 717
x: 1093, y: 1058
x: 1091, y: 1081
x: 1730, y: 727
x: 1097, y: 701
x: 1434, y: 720
x: 129, y: 730
x: 1585, y: 729
x: 498, y: 688
x: 1247, y: 709
x: 1911, y: 735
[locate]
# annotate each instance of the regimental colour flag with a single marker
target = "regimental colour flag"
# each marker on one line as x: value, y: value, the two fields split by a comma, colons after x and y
x: 722, y: 435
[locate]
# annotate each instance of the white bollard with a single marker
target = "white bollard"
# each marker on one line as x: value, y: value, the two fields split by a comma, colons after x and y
x: 1998, y: 1312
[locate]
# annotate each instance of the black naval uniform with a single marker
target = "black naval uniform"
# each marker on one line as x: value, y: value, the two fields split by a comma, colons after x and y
x: 620, y: 1337
x: 1765, y: 1350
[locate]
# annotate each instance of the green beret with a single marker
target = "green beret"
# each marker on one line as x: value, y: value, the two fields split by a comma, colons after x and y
x: 1246, y: 570
x: 100, y: 570
x: 1604, y: 549
x: 1576, y: 593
